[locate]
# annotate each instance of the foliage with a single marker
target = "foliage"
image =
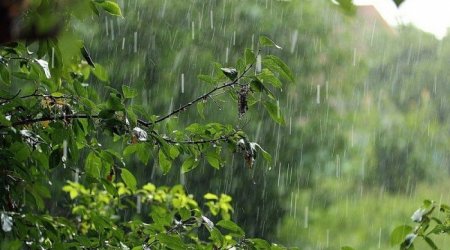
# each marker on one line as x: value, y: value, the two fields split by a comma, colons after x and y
x: 100, y: 218
x: 59, y: 117
x: 431, y: 220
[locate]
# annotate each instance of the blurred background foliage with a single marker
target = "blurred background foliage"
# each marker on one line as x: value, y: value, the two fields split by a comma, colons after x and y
x: 366, y: 130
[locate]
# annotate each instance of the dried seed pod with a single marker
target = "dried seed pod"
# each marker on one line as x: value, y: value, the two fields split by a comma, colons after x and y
x: 242, y: 100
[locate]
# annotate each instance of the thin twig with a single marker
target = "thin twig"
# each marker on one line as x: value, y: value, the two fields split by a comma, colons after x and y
x: 10, y: 98
x: 140, y: 121
x: 202, y: 141
x: 202, y: 97
x: 54, y: 118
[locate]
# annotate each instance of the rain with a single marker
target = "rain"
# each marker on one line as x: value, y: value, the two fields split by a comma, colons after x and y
x: 349, y: 150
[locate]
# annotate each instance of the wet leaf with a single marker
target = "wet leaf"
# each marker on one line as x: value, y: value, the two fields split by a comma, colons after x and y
x: 93, y: 165
x: 164, y: 163
x: 399, y: 233
x: 112, y: 8
x: 229, y: 225
x: 5, y: 75
x: 128, y: 178
x: 231, y: 73
x: 213, y: 159
x: 129, y: 92
x: 265, y: 41
x: 274, y: 111
x: 210, y: 196
x: 276, y: 65
x: 250, y: 57
x: 189, y: 164
x: 172, y: 242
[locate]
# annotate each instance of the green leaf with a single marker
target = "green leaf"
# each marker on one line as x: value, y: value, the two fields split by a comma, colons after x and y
x: 265, y: 155
x: 109, y: 187
x: 230, y: 73
x: 5, y: 76
x: 274, y: 111
x: 207, y: 79
x: 260, y: 243
x: 229, y: 225
x: 3, y: 121
x: 128, y: 178
x: 430, y: 242
x: 172, y: 242
x: 275, y: 64
x: 164, y: 163
x: 257, y: 85
x: 201, y: 109
x: 93, y: 165
x: 264, y: 41
x: 100, y: 73
x: 143, y: 152
x: 213, y: 159
x: 112, y: 8
x: 173, y: 152
x: 267, y: 76
x: 210, y: 196
x: 399, y: 233
x: 250, y: 57
x: 21, y: 151
x: 189, y: 164
x: 129, y: 92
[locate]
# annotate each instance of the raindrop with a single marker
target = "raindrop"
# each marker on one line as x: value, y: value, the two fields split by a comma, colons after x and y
x: 338, y: 166
x: 123, y: 43
x: 211, y: 19
x: 379, y: 238
x: 435, y: 85
x: 64, y: 157
x: 111, y: 25
x: 138, y: 204
x: 352, y: 137
x: 77, y: 175
x: 135, y: 42
x: 258, y: 63
x: 318, y: 94
x: 328, y: 238
x: 354, y: 57
x: 326, y: 90
x: 106, y: 26
x: 373, y: 32
x: 193, y: 30
x: 53, y: 57
x: 278, y: 108
x: 227, y: 50
x: 306, y: 217
x: 182, y: 83
x: 253, y: 41
x: 290, y: 125
x: 234, y: 38
x: 294, y: 39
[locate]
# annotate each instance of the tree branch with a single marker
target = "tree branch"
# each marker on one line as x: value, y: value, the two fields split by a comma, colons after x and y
x: 139, y: 121
x: 202, y: 141
x: 202, y: 97
x: 53, y: 118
